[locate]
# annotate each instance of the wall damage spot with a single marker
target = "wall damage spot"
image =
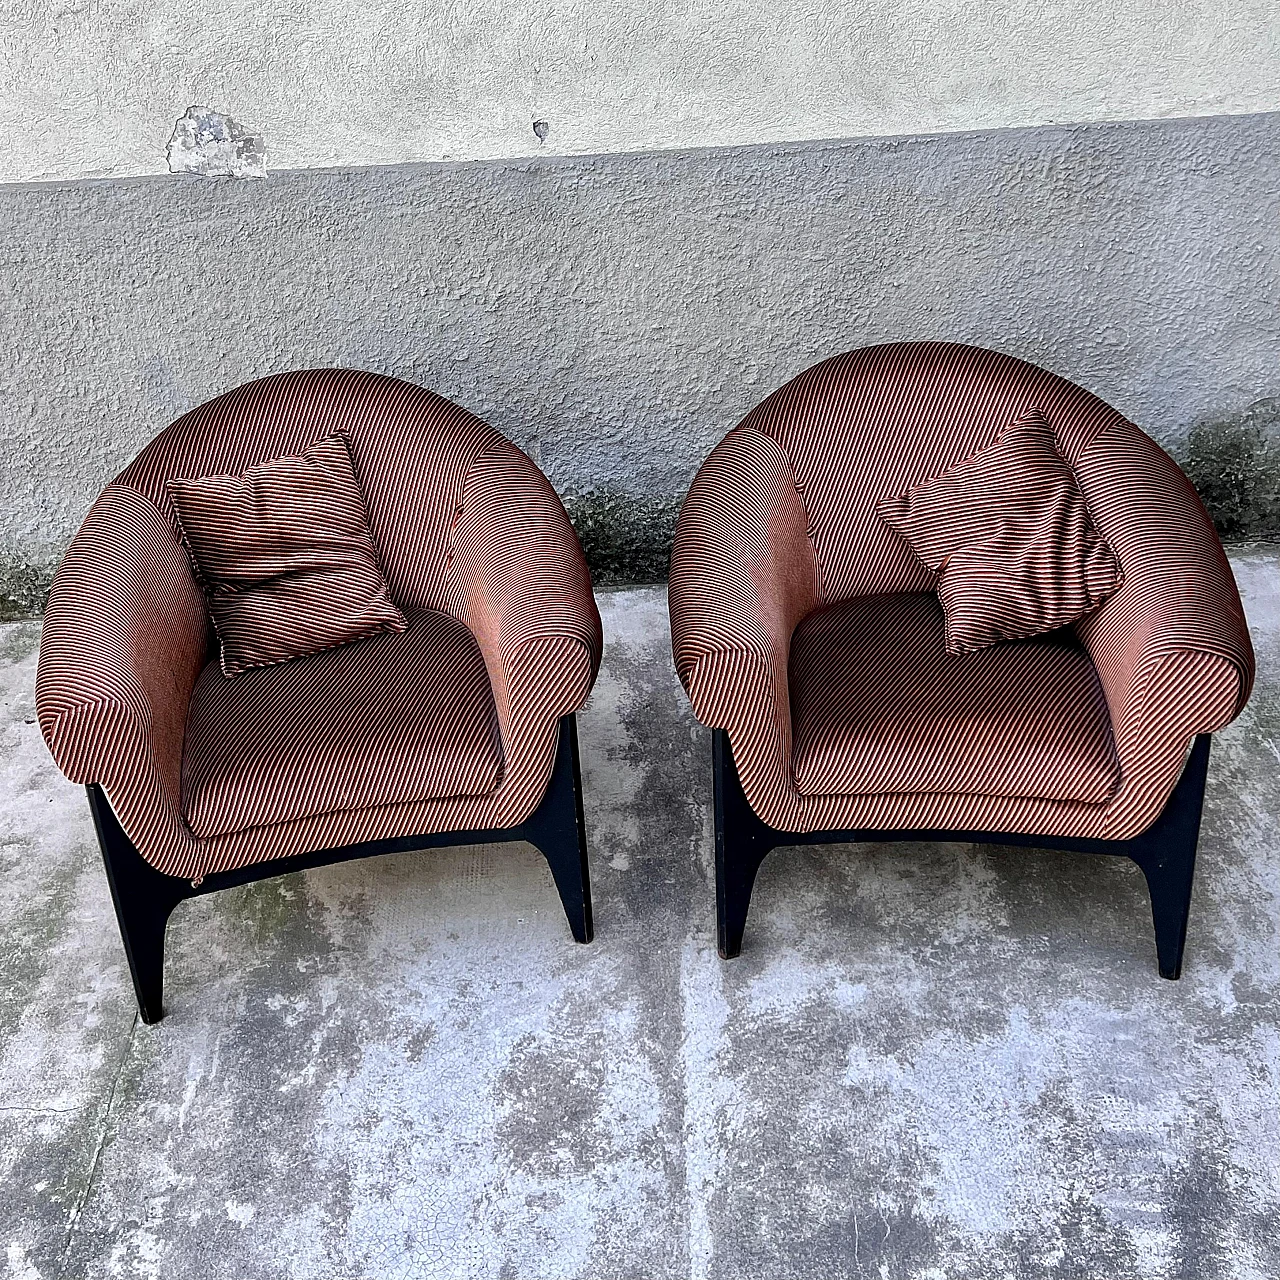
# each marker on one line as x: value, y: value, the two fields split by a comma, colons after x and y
x: 626, y: 537
x: 213, y: 145
x: 24, y: 587
x: 541, y: 128
x: 1234, y: 463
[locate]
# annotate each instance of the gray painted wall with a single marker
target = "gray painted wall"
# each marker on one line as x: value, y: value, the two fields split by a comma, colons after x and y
x: 616, y: 314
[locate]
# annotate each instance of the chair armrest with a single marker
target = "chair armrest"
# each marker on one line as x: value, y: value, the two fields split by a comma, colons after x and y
x: 125, y: 635
x: 744, y: 574
x: 525, y: 593
x: 1171, y: 647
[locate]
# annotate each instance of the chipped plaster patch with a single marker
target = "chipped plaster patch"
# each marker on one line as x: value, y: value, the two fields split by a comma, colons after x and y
x: 240, y: 1212
x: 213, y: 145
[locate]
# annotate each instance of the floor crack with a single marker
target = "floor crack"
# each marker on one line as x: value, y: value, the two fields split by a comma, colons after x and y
x: 42, y: 1111
x: 73, y: 1221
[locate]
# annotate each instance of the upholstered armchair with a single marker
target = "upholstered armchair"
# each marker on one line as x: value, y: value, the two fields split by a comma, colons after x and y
x: 459, y: 729
x: 808, y: 637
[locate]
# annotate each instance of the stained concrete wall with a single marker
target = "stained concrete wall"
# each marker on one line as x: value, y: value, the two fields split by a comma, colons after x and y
x: 617, y: 314
x: 94, y: 88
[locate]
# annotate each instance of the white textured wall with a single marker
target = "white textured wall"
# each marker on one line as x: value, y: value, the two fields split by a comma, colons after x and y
x: 92, y: 87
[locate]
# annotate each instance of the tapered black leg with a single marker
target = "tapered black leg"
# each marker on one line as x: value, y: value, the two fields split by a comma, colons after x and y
x: 558, y: 830
x: 143, y: 897
x: 742, y: 842
x: 1166, y: 852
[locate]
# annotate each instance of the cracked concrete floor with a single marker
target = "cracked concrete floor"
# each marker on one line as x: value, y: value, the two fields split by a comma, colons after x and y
x: 930, y: 1061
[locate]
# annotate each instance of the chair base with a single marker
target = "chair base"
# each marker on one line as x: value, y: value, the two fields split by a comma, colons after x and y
x: 145, y: 897
x: 1166, y: 851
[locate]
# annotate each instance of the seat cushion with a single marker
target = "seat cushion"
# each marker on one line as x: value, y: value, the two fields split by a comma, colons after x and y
x: 390, y: 719
x: 879, y: 707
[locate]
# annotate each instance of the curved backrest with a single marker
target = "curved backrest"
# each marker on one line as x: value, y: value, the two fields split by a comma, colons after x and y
x: 411, y: 447
x: 874, y: 422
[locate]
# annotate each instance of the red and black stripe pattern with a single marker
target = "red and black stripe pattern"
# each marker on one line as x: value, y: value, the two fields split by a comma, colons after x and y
x: 781, y: 521
x: 879, y: 705
x: 398, y: 735
x: 1009, y: 536
x: 393, y: 719
x: 285, y: 557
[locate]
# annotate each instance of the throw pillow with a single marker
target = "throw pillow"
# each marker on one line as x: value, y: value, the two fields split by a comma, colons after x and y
x: 285, y: 556
x: 1009, y: 535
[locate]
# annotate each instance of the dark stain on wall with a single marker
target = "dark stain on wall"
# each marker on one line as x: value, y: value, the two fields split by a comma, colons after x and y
x: 1234, y: 463
x: 23, y: 588
x: 626, y: 537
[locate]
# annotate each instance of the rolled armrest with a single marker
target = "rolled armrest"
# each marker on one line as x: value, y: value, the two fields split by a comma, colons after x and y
x: 525, y: 594
x: 743, y: 576
x: 125, y: 636
x: 1171, y: 647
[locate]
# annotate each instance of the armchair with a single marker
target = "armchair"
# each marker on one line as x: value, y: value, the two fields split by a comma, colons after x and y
x: 459, y: 730
x: 808, y: 638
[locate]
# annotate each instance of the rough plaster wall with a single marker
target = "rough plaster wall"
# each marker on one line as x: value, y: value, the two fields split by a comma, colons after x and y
x: 616, y: 315
x: 94, y: 88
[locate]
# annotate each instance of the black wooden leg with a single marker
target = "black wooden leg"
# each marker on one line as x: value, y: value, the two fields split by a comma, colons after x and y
x: 742, y: 842
x: 143, y: 899
x: 558, y: 830
x: 1166, y: 852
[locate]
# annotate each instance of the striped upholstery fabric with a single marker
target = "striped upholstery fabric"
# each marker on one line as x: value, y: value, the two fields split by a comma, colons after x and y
x: 781, y: 521
x: 285, y: 557
x: 1009, y: 536
x: 466, y: 527
x: 391, y: 720
x: 878, y: 705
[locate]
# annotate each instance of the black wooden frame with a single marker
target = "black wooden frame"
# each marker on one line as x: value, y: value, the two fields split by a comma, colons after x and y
x: 1166, y: 850
x: 145, y: 897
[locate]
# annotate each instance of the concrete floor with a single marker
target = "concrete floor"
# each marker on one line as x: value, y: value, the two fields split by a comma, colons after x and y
x: 930, y: 1061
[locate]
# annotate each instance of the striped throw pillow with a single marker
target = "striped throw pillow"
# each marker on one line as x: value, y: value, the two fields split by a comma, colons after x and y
x: 285, y: 556
x: 1009, y: 535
